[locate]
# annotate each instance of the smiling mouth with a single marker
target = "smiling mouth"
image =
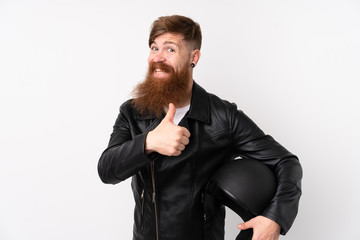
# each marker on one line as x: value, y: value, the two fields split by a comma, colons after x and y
x: 159, y: 72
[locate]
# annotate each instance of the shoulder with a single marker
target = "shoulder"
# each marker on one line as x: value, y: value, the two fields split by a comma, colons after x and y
x: 127, y: 105
x: 127, y: 110
x: 220, y: 102
x: 220, y: 106
x: 226, y: 112
x: 210, y: 100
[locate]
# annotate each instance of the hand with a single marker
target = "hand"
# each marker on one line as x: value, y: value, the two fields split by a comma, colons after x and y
x: 263, y: 228
x: 167, y: 138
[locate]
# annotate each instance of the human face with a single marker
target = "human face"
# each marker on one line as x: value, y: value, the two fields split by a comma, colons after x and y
x: 169, y: 49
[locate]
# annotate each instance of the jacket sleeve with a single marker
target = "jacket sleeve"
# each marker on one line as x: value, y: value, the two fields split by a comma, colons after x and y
x: 250, y: 141
x: 124, y: 155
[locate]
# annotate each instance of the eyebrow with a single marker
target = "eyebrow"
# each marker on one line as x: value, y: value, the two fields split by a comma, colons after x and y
x: 168, y: 42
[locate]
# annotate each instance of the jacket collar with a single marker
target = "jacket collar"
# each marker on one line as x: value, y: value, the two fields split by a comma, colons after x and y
x: 199, y: 107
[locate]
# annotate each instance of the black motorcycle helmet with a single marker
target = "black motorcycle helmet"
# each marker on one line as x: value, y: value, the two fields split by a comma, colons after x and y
x: 246, y: 186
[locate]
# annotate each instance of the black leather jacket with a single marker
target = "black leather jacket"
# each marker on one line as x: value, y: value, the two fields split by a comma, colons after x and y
x: 168, y: 190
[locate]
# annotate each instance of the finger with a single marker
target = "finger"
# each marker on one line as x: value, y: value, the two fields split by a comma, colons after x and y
x: 185, y: 140
x: 245, y: 225
x: 242, y: 226
x: 186, y: 132
x: 175, y: 153
x: 171, y: 113
x: 181, y: 147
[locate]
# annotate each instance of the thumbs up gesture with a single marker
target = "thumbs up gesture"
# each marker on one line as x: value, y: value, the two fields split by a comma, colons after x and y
x: 167, y: 138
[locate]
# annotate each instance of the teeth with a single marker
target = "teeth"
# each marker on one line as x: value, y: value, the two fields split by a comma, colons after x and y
x: 158, y: 71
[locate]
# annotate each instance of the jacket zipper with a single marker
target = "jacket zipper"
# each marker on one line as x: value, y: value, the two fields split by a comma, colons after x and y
x: 205, y: 217
x: 154, y: 199
x: 142, y: 208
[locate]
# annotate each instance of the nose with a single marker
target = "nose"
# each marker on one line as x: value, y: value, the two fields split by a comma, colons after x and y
x: 158, y: 57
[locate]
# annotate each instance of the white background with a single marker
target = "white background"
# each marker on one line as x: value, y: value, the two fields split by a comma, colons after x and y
x: 66, y: 66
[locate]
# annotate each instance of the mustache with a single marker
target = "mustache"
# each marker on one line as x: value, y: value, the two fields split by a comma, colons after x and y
x: 162, y: 66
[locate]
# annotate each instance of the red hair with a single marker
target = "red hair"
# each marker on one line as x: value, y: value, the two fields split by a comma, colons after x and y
x: 177, y: 24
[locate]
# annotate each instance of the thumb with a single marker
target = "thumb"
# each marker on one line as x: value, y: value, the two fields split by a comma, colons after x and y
x: 245, y: 225
x: 171, y: 113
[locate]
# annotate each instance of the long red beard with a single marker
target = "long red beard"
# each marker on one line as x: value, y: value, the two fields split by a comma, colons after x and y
x: 153, y: 94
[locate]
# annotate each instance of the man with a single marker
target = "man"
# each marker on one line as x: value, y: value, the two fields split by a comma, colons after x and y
x: 173, y: 136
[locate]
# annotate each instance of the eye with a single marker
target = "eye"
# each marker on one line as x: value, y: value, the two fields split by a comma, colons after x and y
x: 154, y: 49
x: 170, y: 50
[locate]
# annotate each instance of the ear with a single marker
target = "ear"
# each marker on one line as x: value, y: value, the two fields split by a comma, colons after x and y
x: 195, y: 56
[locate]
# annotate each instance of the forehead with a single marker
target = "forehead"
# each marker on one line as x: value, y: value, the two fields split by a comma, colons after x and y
x: 170, y: 38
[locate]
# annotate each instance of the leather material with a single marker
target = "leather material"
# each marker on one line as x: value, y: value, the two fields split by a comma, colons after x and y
x: 218, y: 131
